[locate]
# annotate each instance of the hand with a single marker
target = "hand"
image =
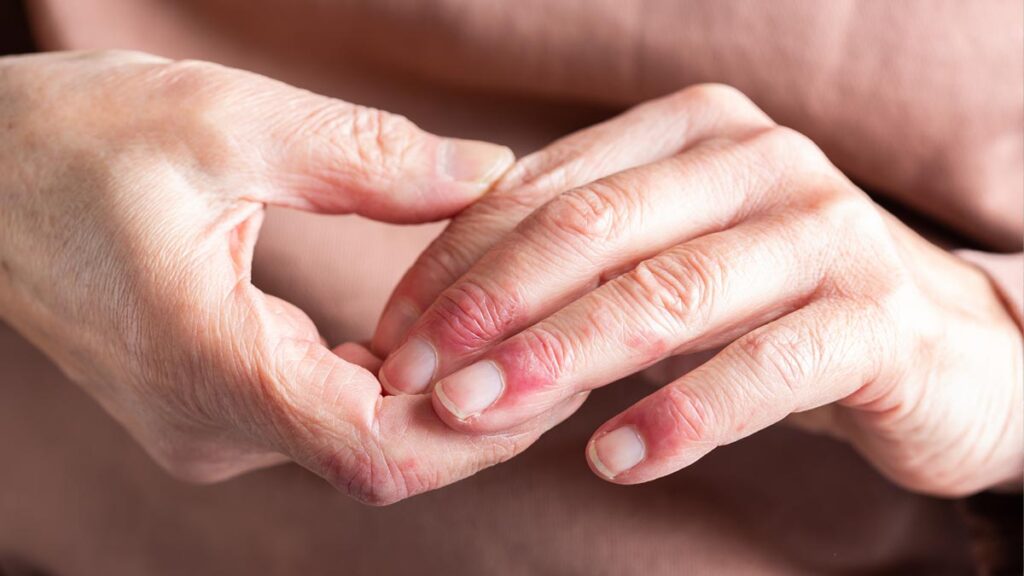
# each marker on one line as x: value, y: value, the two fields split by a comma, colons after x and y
x: 133, y: 192
x: 690, y: 223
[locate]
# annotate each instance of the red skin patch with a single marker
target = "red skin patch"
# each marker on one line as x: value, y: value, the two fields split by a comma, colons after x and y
x: 649, y: 347
x: 524, y: 373
x: 468, y: 319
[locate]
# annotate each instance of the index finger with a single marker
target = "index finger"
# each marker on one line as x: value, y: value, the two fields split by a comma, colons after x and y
x: 644, y: 134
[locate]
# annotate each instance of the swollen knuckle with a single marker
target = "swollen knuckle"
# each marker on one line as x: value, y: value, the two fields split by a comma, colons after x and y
x: 473, y: 315
x: 508, y: 205
x: 550, y: 352
x: 589, y: 216
x: 780, y: 356
x: 381, y: 139
x: 689, y: 416
x: 680, y: 289
x: 784, y: 146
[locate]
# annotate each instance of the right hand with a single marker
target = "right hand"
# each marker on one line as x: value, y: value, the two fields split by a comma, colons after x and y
x: 132, y: 194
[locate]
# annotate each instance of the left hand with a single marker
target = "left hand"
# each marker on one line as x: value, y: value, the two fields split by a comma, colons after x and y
x: 689, y: 223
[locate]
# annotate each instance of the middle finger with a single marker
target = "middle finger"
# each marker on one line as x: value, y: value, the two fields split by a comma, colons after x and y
x: 576, y: 241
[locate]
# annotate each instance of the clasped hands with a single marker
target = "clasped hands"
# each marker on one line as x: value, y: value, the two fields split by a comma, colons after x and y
x: 690, y: 223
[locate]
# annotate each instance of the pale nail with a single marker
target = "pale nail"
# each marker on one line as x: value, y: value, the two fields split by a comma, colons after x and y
x: 474, y: 161
x: 411, y: 368
x: 470, y: 390
x: 617, y: 451
x: 395, y: 323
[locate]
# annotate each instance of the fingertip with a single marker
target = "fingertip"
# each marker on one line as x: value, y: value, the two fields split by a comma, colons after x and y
x: 359, y: 355
x: 386, y: 386
x: 395, y: 322
x: 472, y: 390
x: 474, y: 161
x: 410, y: 369
x: 612, y: 455
x: 447, y: 413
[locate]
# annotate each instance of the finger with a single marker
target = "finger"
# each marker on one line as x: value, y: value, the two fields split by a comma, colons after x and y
x: 578, y: 240
x: 357, y: 354
x: 376, y: 449
x: 810, y: 358
x: 323, y: 154
x: 690, y: 298
x: 647, y: 133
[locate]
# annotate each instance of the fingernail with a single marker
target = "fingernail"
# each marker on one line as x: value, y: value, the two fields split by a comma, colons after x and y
x: 394, y: 324
x: 617, y: 451
x: 411, y: 368
x: 471, y: 390
x: 474, y: 161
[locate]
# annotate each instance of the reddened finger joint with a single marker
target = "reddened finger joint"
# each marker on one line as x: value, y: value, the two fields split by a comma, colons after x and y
x: 473, y: 316
x: 541, y: 356
x: 677, y: 290
x: 681, y: 417
x: 591, y: 216
x: 779, y: 356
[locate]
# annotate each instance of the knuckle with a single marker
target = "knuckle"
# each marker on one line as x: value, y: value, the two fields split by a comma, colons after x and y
x: 780, y: 356
x: 679, y: 290
x: 849, y: 213
x: 713, y: 95
x: 446, y: 259
x: 590, y: 216
x: 116, y: 55
x: 472, y: 315
x: 549, y: 352
x: 784, y: 146
x: 359, y: 474
x: 381, y: 139
x: 196, y: 98
x: 685, y: 416
x: 506, y: 206
x: 900, y: 321
x: 190, y: 87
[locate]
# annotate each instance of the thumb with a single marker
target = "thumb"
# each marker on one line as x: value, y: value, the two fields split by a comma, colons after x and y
x: 330, y: 156
x: 332, y: 419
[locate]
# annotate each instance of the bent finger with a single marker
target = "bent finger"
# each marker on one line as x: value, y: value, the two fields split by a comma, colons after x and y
x: 647, y: 133
x: 693, y: 297
x: 812, y: 357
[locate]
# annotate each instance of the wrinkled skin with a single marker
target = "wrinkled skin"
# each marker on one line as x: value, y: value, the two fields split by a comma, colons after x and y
x: 133, y: 194
x: 691, y: 223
